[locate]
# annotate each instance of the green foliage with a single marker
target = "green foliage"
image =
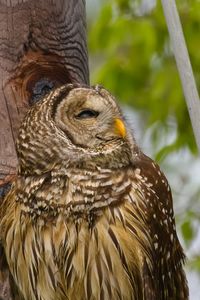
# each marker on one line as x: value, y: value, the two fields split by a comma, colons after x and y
x: 187, y: 230
x: 135, y: 62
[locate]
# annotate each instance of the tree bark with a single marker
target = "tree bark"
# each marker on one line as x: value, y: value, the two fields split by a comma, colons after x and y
x: 42, y: 45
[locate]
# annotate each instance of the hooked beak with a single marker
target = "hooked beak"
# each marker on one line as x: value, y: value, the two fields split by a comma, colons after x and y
x: 120, y: 128
x: 117, y: 130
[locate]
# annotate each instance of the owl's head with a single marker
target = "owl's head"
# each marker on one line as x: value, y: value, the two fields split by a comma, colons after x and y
x: 74, y: 124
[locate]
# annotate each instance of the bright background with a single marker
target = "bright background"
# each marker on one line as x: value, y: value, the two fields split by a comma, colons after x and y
x: 130, y: 54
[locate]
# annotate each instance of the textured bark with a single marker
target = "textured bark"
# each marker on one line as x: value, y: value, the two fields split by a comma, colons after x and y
x: 40, y: 41
x: 42, y: 45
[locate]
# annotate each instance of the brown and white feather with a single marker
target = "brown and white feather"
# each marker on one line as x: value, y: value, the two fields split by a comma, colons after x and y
x: 88, y: 217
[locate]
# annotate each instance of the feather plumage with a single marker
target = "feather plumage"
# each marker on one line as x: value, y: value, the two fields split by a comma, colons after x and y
x: 88, y: 221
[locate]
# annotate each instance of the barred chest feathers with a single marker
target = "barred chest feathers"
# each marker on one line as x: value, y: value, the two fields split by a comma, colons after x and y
x: 78, y: 239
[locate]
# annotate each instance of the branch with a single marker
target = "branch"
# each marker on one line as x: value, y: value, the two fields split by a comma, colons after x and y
x: 184, y: 65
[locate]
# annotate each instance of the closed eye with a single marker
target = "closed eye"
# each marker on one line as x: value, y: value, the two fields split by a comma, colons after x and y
x: 87, y: 114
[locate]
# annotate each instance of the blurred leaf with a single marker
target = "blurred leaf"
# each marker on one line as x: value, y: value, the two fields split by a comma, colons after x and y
x: 195, y: 263
x: 187, y: 231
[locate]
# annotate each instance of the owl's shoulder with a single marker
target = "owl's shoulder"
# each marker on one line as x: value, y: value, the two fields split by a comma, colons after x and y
x: 151, y: 173
x: 151, y: 191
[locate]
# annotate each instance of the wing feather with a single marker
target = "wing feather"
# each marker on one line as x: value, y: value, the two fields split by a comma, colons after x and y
x: 152, y: 196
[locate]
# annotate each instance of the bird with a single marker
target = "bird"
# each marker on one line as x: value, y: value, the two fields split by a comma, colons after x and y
x: 89, y: 216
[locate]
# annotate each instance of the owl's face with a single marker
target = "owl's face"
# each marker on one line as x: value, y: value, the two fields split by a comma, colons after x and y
x: 74, y: 124
x: 91, y: 120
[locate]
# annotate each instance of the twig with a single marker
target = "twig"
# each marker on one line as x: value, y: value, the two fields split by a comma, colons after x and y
x: 183, y: 64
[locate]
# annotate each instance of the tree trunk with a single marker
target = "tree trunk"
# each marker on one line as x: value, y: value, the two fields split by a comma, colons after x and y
x: 42, y: 45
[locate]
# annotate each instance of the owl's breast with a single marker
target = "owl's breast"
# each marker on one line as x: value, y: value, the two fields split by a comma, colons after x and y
x: 69, y: 238
x: 76, y: 194
x: 88, y: 194
x: 68, y: 259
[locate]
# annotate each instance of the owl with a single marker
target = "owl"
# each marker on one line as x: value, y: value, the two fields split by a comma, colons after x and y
x: 89, y: 216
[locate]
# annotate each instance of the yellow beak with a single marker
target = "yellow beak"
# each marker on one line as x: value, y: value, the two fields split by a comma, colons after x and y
x: 120, y: 128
